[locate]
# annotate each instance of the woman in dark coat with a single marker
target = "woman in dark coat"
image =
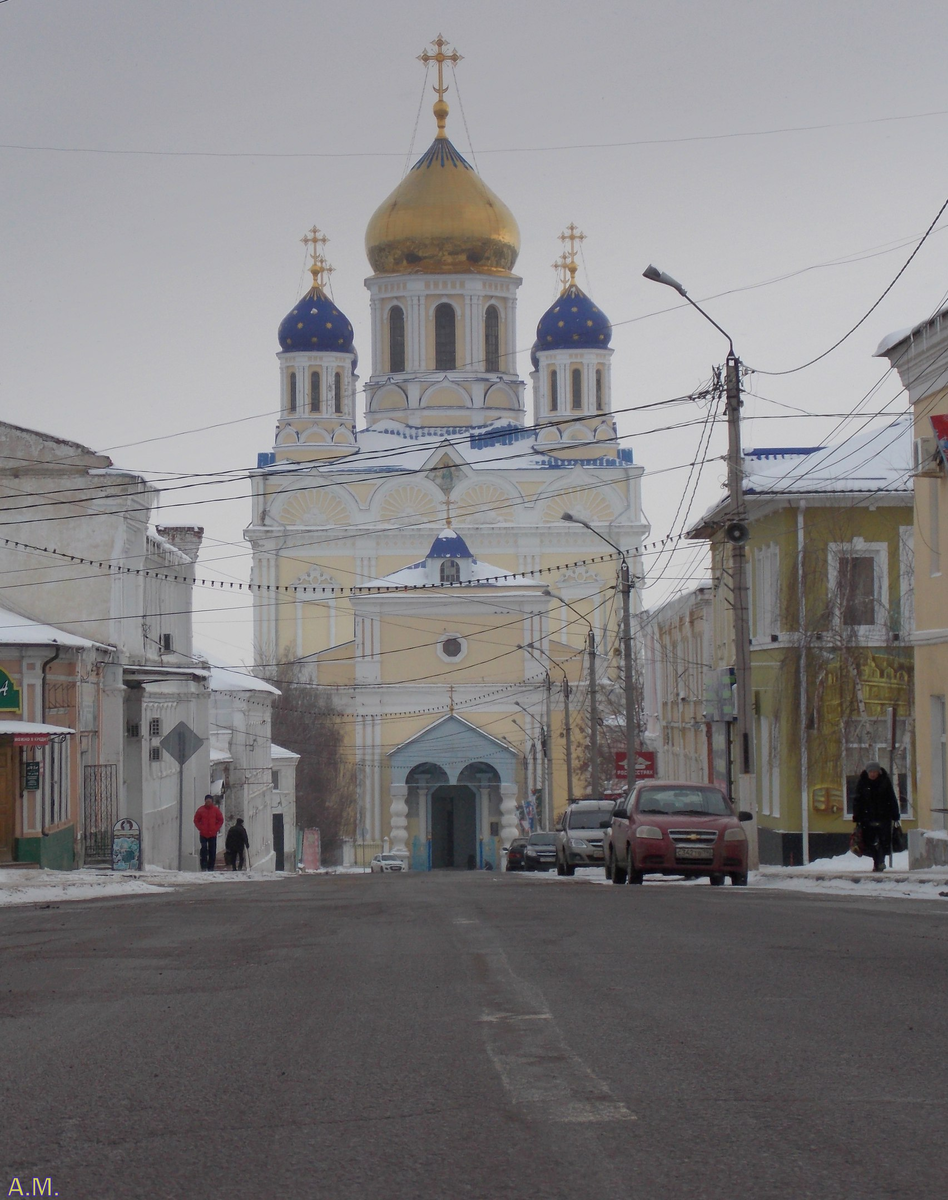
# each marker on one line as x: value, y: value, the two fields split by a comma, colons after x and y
x: 875, y: 807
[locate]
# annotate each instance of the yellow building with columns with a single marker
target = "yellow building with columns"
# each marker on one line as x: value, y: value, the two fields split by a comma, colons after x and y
x: 419, y: 565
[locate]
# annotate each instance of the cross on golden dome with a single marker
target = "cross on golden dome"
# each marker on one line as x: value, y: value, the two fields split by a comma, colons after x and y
x: 440, y: 108
x: 319, y: 268
x: 575, y: 237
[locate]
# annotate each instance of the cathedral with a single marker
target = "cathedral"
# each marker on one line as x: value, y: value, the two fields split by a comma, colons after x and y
x: 425, y: 548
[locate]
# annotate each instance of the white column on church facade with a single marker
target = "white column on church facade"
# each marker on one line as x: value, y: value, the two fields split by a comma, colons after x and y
x: 398, y: 811
x: 509, y: 829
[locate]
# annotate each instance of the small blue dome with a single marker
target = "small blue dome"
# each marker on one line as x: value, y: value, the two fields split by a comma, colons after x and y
x: 573, y: 322
x: 449, y: 544
x: 315, y: 323
x: 534, y: 361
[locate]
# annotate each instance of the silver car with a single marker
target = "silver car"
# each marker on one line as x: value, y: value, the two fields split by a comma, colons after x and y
x: 579, y: 837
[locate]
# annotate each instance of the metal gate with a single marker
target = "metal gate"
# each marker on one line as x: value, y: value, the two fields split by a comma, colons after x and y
x: 100, y: 810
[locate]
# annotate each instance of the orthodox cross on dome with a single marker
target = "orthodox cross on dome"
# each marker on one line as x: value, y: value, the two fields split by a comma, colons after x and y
x: 440, y: 106
x: 319, y: 267
x: 575, y: 237
x: 561, y: 267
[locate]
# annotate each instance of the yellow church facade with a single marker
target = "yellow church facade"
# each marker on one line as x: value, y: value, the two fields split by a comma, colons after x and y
x: 410, y: 551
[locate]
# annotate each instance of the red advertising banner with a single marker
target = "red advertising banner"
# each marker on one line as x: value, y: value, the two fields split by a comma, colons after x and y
x: 311, y: 850
x: 31, y: 739
x: 644, y: 765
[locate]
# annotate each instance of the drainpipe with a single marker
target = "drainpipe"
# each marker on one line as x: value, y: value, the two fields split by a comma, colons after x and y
x: 804, y: 761
x: 45, y: 664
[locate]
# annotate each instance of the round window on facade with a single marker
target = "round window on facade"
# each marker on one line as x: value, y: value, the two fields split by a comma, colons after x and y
x: 452, y: 647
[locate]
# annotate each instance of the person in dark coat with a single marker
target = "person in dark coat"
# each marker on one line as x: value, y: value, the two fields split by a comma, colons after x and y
x: 237, y: 844
x: 875, y: 808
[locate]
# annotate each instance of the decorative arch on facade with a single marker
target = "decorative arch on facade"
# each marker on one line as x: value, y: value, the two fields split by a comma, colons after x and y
x: 579, y: 433
x: 287, y: 436
x: 445, y: 395
x: 484, y: 503
x: 500, y: 396
x: 407, y: 501
x: 549, y: 435
x: 343, y: 436
x: 389, y: 399
x: 311, y: 508
x: 316, y: 435
x: 590, y: 505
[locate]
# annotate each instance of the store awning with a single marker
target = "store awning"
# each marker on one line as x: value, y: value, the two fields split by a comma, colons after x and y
x: 32, y: 733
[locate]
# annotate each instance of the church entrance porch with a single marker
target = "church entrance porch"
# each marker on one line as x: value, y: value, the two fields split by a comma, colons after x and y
x: 453, y: 825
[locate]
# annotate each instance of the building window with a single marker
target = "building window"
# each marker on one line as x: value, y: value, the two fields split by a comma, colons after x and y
x: 554, y: 392
x: 275, y: 780
x: 767, y: 591
x: 396, y: 339
x: 451, y: 647
x: 599, y: 389
x: 445, y: 338
x: 337, y: 398
x: 292, y: 385
x: 858, y: 580
x: 492, y: 339
x: 154, y: 727
x: 315, y: 400
x: 577, y: 388
x: 154, y: 754
x: 939, y: 734
x: 450, y: 571
x: 934, y: 532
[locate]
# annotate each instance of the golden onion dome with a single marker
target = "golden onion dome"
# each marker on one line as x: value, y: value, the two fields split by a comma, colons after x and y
x: 442, y: 218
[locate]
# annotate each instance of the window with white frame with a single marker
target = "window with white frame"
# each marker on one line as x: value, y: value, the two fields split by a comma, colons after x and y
x: 859, y: 582
x: 767, y: 591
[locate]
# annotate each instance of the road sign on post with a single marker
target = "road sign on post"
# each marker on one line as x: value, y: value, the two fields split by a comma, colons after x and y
x: 644, y: 765
x: 181, y: 743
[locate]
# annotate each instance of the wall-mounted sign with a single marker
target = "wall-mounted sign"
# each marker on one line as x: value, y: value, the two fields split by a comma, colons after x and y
x: 126, y: 845
x: 31, y: 776
x: 644, y: 764
x: 31, y: 739
x: 9, y: 694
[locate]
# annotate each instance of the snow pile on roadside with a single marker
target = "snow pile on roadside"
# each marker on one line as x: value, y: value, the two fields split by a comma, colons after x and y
x: 850, y: 863
x: 47, y: 887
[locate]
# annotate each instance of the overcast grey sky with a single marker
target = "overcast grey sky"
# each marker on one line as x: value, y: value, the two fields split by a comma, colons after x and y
x: 142, y: 292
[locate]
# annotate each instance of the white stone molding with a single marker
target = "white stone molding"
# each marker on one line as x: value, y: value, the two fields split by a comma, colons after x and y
x: 398, y: 812
x: 509, y: 829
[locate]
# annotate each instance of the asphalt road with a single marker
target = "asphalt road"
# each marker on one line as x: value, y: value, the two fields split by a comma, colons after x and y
x: 482, y: 1035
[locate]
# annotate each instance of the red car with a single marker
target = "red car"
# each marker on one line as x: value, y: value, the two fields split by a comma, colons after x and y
x: 668, y: 828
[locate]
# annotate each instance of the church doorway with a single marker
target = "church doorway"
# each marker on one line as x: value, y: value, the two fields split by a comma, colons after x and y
x: 453, y: 827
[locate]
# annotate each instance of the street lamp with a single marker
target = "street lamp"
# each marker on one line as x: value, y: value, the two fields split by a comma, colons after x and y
x: 736, y: 533
x: 625, y: 576
x: 593, y: 695
x: 566, y: 718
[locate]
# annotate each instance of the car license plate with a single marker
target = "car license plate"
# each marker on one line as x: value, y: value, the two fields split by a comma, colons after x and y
x: 698, y: 853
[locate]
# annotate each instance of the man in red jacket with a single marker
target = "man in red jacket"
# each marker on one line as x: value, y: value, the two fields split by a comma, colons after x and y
x: 208, y: 821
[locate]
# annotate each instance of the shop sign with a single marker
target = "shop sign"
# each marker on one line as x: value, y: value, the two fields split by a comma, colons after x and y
x: 31, y: 739
x: 644, y: 765
x: 126, y: 845
x: 9, y: 694
x: 31, y: 776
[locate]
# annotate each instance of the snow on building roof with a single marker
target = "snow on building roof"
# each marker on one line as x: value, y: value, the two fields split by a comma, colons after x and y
x: 220, y: 756
x: 225, y: 680
x: 902, y: 335
x: 17, y: 630
x: 280, y: 752
x: 416, y: 576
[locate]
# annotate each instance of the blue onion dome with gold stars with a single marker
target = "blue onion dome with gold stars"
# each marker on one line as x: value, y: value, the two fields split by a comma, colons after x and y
x: 316, y: 323
x: 573, y: 322
x: 534, y: 350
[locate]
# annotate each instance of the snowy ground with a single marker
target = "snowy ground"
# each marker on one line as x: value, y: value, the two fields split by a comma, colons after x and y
x: 49, y: 887
x: 844, y: 875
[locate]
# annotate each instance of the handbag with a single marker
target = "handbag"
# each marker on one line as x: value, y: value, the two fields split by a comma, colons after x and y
x: 856, y: 842
x: 899, y: 838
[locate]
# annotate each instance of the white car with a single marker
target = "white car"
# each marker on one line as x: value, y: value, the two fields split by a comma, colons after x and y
x: 386, y: 862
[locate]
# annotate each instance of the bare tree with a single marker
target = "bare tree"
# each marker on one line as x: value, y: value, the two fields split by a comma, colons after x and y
x: 307, y: 721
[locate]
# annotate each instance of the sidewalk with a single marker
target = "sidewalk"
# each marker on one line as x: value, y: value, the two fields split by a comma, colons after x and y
x: 24, y: 886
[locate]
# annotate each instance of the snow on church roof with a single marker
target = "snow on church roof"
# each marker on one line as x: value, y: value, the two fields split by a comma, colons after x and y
x: 449, y: 544
x: 416, y: 576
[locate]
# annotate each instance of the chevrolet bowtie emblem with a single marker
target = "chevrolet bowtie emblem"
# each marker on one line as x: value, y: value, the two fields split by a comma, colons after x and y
x: 693, y: 837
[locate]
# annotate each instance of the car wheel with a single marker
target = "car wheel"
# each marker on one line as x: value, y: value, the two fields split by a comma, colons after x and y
x: 618, y: 873
x: 717, y: 879
x: 633, y: 875
x: 739, y: 879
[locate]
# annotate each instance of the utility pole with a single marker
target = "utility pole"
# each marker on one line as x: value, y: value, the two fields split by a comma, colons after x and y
x: 631, y: 753
x: 548, y: 790
x: 569, y: 742
x: 593, y: 715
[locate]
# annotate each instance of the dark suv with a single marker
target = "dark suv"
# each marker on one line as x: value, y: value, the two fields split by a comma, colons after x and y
x: 580, y: 833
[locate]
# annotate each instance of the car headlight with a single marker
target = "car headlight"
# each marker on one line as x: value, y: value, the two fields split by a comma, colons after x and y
x: 735, y: 835
x: 649, y: 831
x: 578, y: 843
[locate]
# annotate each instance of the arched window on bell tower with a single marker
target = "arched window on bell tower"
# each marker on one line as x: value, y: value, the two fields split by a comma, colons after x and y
x: 337, y: 397
x: 445, y: 338
x: 577, y: 387
x: 492, y: 339
x: 598, y: 389
x: 396, y: 339
x: 554, y: 391
x: 291, y: 404
x: 315, y: 398
x: 450, y: 571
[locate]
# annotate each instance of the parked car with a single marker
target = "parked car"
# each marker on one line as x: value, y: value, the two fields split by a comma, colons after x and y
x: 669, y: 828
x: 515, y: 851
x: 386, y: 862
x: 580, y: 833
x: 540, y: 852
